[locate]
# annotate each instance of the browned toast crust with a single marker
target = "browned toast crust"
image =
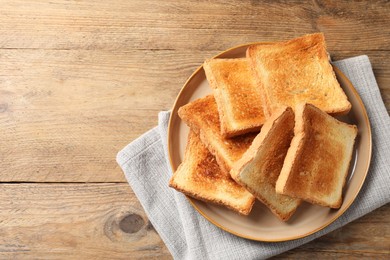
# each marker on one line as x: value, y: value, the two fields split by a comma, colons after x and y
x: 237, y: 95
x: 200, y: 177
x: 298, y: 71
x: 317, y: 163
x: 202, y: 117
x: 260, y: 166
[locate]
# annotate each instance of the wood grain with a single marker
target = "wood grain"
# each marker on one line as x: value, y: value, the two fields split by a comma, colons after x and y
x: 66, y: 113
x: 365, y: 238
x: 81, y: 79
x: 83, y: 221
x: 204, y: 25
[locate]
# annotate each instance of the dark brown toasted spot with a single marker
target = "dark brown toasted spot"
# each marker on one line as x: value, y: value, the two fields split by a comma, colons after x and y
x: 209, y: 168
x: 206, y: 112
x: 240, y: 144
x: 209, y: 175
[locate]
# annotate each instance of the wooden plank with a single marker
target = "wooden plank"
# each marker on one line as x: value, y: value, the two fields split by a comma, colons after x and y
x: 201, y: 25
x: 65, y: 114
x: 81, y: 79
x: 82, y: 221
x: 367, y: 238
x: 75, y: 221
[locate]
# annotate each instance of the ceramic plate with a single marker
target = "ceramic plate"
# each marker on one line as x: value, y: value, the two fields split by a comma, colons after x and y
x: 261, y: 224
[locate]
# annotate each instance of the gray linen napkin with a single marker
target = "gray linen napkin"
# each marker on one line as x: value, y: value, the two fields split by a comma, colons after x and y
x: 189, y: 236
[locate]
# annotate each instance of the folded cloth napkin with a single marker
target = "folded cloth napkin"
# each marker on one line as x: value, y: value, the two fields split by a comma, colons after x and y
x: 188, y: 235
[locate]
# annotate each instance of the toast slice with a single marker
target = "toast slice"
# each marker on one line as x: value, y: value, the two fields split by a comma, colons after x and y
x: 237, y: 95
x: 200, y: 177
x: 298, y: 71
x: 260, y: 166
x: 317, y: 162
x: 202, y: 117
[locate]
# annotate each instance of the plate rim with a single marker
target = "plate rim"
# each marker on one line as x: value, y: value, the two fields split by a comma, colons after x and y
x: 260, y: 239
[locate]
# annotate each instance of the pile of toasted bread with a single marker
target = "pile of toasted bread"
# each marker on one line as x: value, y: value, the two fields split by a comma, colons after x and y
x: 268, y: 132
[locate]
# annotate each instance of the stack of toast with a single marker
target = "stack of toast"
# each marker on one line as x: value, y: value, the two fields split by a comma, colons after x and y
x: 268, y: 132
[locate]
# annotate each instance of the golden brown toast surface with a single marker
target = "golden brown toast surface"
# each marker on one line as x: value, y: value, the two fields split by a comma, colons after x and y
x: 202, y: 117
x: 237, y: 96
x: 317, y: 163
x: 298, y: 71
x: 260, y: 166
x: 200, y: 177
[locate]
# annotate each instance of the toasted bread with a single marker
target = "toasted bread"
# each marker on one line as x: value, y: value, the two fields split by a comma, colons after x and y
x: 200, y: 177
x: 298, y: 71
x: 202, y: 117
x: 317, y: 162
x: 260, y: 166
x: 237, y: 95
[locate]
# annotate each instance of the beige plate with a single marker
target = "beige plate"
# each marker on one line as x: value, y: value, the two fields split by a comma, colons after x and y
x: 261, y: 224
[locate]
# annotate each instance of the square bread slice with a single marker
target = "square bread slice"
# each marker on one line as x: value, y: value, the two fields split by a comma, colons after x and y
x: 298, y: 71
x: 202, y: 117
x: 200, y: 177
x: 317, y: 162
x: 237, y: 95
x: 260, y: 166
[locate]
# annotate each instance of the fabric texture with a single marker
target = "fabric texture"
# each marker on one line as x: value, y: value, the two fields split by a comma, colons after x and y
x: 188, y: 235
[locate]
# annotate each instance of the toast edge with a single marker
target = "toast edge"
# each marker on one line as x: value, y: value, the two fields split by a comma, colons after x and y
x: 296, y: 147
x: 292, y: 152
x: 223, y: 163
x: 266, y: 103
x: 248, y: 157
x: 227, y: 131
x: 270, y: 106
x: 244, y: 210
x: 225, y: 127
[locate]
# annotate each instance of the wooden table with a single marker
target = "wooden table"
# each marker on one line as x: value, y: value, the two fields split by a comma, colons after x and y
x: 81, y: 79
